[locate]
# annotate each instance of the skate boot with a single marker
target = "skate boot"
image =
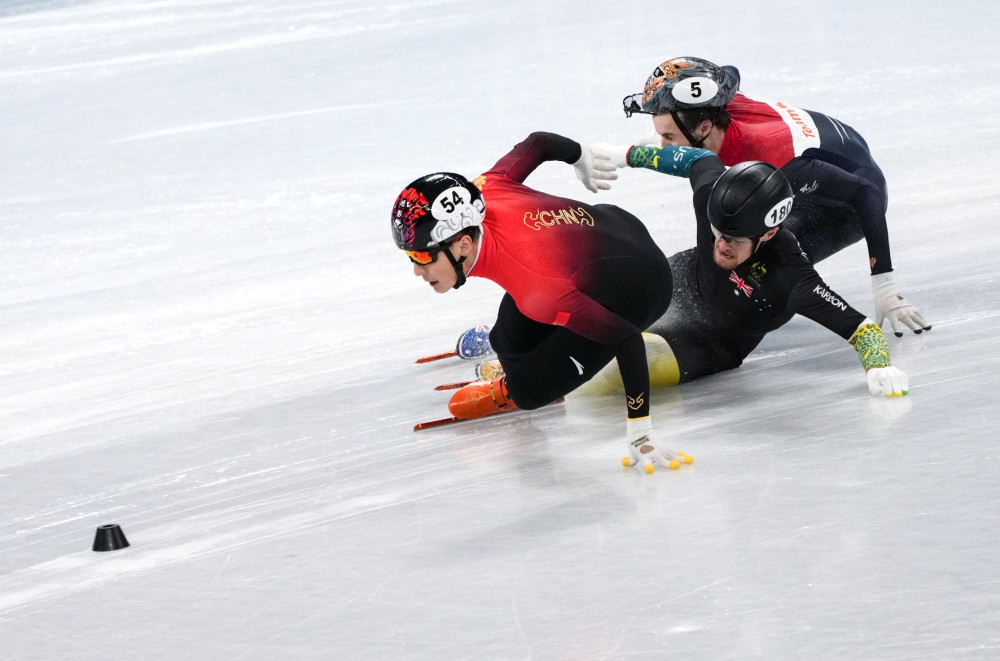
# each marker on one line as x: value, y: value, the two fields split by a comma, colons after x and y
x: 475, y: 343
x: 480, y: 399
x: 489, y: 370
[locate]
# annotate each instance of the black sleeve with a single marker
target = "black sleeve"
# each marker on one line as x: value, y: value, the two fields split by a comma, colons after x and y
x: 632, y: 364
x: 704, y: 173
x: 812, y: 298
x: 839, y: 185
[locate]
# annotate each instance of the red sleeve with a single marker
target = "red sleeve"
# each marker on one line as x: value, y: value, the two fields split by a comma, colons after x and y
x: 536, y: 149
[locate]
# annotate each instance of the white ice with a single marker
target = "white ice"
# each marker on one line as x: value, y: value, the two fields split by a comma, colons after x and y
x: 208, y: 337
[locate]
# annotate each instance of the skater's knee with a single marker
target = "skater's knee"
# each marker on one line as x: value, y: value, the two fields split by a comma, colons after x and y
x: 526, y: 393
x: 523, y: 398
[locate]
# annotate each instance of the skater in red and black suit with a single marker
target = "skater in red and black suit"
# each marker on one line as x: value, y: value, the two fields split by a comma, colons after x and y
x: 582, y: 281
x: 840, y: 191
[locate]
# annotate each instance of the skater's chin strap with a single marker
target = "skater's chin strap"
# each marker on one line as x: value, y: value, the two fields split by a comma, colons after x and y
x: 695, y: 142
x: 457, y: 263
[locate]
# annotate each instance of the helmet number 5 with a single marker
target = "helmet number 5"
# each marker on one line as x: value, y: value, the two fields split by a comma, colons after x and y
x: 696, y: 90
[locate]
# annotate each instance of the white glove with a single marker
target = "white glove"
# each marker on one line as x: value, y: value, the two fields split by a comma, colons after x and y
x: 594, y: 172
x: 617, y: 155
x: 646, y: 449
x: 888, y: 381
x: 889, y: 302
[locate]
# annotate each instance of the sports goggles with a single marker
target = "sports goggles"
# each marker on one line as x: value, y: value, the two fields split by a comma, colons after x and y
x: 429, y: 256
x: 731, y: 240
x: 423, y: 257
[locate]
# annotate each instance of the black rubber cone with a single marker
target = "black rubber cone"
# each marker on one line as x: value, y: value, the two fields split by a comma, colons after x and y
x: 110, y: 538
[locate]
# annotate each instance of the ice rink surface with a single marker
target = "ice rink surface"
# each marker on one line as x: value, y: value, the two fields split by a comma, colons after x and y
x: 208, y: 337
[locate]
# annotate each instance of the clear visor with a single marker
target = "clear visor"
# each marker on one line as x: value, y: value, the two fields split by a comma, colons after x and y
x: 731, y: 240
x: 633, y: 104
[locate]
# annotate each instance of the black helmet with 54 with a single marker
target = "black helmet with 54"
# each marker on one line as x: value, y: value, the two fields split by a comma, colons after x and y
x: 432, y: 212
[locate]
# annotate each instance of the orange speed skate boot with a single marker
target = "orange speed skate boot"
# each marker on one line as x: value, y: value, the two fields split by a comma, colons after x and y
x: 481, y: 398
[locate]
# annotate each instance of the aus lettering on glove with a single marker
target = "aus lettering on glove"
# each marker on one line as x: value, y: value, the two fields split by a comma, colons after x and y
x: 890, y: 304
x: 595, y: 172
x: 889, y: 381
x: 647, y: 450
x: 616, y: 155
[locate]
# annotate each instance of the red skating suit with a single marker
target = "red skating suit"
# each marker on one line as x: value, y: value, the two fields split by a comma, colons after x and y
x: 775, y: 132
x: 841, y: 193
x: 593, y: 269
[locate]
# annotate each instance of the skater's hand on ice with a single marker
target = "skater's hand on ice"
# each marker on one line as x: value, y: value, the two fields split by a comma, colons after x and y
x: 890, y: 304
x: 647, y: 450
x: 594, y: 172
x: 888, y: 381
x: 617, y: 155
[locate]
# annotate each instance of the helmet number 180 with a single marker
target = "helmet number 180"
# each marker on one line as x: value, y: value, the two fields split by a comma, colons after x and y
x: 778, y: 212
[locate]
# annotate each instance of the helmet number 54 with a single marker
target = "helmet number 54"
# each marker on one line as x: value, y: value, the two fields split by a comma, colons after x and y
x: 455, y: 201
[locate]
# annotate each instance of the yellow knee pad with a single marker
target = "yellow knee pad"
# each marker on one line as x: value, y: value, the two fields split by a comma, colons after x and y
x: 663, y: 370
